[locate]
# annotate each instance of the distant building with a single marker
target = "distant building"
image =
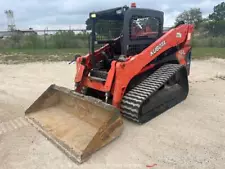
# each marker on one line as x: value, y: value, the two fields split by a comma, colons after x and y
x: 30, y: 31
x: 5, y: 34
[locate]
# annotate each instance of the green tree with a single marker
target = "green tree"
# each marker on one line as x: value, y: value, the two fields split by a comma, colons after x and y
x: 16, y: 39
x: 32, y: 41
x: 215, y: 23
x: 218, y: 12
x: 215, y: 28
x: 68, y: 39
x: 191, y: 16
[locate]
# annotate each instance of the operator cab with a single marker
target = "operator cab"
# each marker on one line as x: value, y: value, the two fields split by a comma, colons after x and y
x: 126, y: 30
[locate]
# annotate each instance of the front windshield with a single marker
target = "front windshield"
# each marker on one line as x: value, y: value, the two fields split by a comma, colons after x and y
x: 144, y: 27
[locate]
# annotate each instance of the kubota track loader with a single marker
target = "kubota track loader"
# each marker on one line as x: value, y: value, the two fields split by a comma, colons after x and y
x: 133, y: 69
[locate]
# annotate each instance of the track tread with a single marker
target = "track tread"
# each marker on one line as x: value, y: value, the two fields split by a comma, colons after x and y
x: 132, y: 100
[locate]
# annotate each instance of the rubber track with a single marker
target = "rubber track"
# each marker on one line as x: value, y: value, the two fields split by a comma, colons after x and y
x: 132, y: 100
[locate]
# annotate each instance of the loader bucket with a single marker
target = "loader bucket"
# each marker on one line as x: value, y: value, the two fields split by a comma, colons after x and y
x: 77, y: 124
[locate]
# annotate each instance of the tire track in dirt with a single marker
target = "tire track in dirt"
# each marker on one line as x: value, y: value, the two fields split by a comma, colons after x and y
x: 12, y: 125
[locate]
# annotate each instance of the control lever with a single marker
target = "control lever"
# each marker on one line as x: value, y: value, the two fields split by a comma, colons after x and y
x: 75, y: 58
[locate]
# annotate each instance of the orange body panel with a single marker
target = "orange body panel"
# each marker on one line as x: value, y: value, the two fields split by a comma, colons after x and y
x: 121, y: 73
x: 181, y: 54
x: 80, y: 70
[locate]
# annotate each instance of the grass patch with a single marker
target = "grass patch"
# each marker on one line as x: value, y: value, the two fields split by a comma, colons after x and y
x: 15, y: 56
x: 206, y: 53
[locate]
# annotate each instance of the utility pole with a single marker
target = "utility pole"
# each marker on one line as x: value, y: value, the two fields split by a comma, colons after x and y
x: 10, y: 20
x: 46, y: 34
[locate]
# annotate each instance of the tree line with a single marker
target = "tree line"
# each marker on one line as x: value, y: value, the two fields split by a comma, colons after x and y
x: 209, y: 32
x: 61, y: 39
x: 212, y: 25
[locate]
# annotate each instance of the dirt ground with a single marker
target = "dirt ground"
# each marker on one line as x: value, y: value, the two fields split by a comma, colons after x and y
x: 190, y: 135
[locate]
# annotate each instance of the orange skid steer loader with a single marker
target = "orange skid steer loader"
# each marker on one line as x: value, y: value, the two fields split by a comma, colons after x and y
x: 134, y: 70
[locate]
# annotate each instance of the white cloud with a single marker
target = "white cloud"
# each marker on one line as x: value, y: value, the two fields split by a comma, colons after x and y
x: 54, y: 14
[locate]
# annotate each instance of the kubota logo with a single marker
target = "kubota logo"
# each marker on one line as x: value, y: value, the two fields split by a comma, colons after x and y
x: 158, y: 48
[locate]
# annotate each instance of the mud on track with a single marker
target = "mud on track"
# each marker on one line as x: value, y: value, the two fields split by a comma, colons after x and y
x: 190, y: 135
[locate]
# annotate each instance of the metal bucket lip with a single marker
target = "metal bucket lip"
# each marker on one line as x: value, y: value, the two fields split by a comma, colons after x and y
x: 73, y: 93
x: 90, y: 99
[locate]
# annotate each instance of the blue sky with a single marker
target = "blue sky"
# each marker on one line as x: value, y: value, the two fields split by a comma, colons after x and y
x: 59, y: 14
